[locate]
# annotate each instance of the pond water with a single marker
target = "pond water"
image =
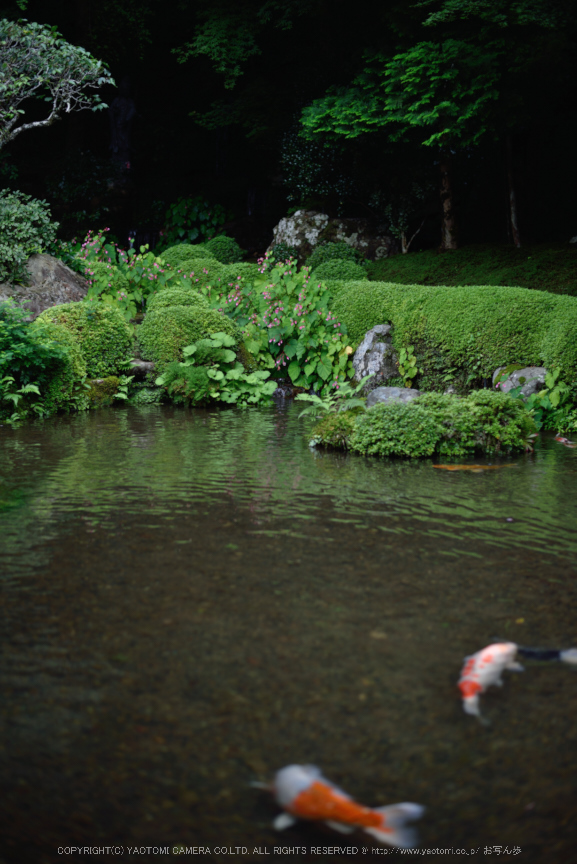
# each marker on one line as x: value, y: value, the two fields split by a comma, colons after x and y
x: 192, y: 600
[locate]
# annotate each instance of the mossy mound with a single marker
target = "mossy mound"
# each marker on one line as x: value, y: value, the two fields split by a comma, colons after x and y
x: 345, y: 270
x: 225, y: 249
x: 63, y: 388
x: 434, y: 423
x: 178, y: 296
x: 200, y: 271
x: 166, y: 331
x: 469, y: 329
x: 177, y: 257
x: 334, y: 251
x: 104, y: 337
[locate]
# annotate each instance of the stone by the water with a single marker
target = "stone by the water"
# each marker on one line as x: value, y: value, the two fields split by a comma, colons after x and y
x: 391, y: 394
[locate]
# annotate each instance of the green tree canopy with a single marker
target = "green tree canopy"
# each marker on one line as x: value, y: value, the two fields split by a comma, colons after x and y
x: 36, y: 63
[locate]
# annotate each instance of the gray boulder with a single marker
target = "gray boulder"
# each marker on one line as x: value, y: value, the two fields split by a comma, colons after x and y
x: 391, y: 394
x: 376, y: 355
x: 531, y: 379
x: 50, y: 283
x: 306, y: 229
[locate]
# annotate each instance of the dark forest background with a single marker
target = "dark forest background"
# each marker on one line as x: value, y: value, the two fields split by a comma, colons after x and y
x: 194, y: 135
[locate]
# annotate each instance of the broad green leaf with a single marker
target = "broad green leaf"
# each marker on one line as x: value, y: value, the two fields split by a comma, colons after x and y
x: 294, y: 371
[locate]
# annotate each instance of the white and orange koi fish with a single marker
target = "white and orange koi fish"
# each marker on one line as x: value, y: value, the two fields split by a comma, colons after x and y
x: 483, y: 669
x: 303, y: 793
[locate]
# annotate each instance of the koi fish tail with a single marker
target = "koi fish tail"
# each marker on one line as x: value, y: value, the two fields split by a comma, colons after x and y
x: 394, y: 830
x: 471, y: 705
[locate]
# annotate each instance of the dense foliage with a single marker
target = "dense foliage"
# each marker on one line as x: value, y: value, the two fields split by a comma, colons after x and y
x: 435, y: 423
x: 211, y: 371
x: 25, y: 228
x: 39, y: 366
x: 190, y: 219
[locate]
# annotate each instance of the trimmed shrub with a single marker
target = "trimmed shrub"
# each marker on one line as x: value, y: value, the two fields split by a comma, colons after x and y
x: 166, y: 331
x: 60, y: 390
x: 342, y: 270
x: 176, y: 257
x: 474, y: 328
x: 339, y: 251
x: 225, y: 249
x: 244, y: 270
x: 104, y: 337
x: 178, y: 296
x: 200, y: 271
x: 483, y: 421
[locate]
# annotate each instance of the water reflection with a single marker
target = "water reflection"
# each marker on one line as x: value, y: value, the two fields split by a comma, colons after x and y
x: 191, y: 600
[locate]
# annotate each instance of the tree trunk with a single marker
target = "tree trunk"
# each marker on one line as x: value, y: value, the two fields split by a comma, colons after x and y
x: 449, y: 223
x: 513, y: 217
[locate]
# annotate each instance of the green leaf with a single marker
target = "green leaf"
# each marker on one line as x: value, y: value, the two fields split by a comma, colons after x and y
x: 323, y: 370
x: 294, y: 371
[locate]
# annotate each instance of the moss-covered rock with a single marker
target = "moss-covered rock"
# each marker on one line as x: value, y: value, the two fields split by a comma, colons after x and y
x: 166, y: 331
x: 434, y: 423
x: 102, y: 390
x: 104, y: 337
x: 179, y: 296
x: 475, y: 328
x: 64, y: 389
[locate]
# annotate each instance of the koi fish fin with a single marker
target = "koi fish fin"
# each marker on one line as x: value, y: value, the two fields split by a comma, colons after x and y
x: 394, y: 830
x: 283, y: 820
x: 257, y: 784
x: 340, y: 826
x: 515, y: 667
x: 569, y: 656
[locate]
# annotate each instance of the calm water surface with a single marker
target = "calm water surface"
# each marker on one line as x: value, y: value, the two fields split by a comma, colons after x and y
x: 191, y: 600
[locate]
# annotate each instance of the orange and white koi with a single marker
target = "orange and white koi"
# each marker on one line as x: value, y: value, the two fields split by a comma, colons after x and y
x: 303, y: 793
x: 483, y: 669
x: 565, y: 441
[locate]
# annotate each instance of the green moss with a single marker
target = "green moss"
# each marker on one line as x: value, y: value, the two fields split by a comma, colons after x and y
x: 177, y: 257
x: 62, y: 390
x: 342, y: 270
x: 484, y: 422
x: 542, y: 267
x: 104, y: 337
x: 179, y: 296
x: 166, y: 331
x: 102, y: 390
x: 225, y: 249
x: 472, y: 329
x: 335, y: 430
